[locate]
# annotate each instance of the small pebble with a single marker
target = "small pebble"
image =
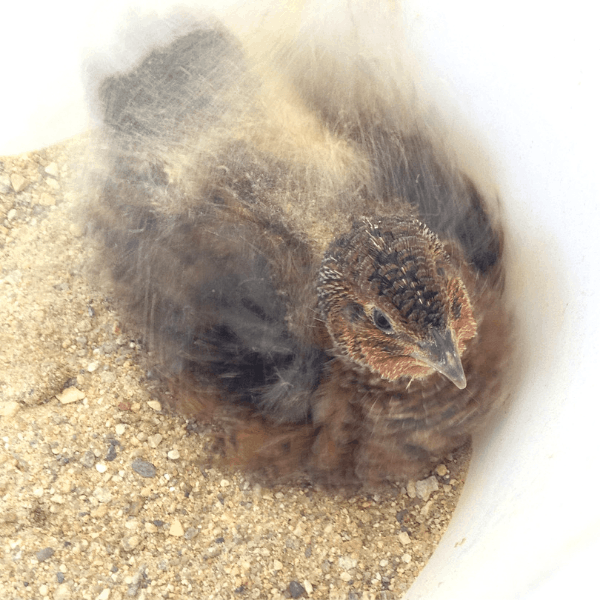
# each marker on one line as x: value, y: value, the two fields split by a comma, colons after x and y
x: 426, y: 487
x: 404, y: 538
x: 93, y: 366
x: 426, y: 508
x: 101, y: 467
x: 144, y: 468
x: 400, y: 515
x: 296, y: 589
x: 155, y: 405
x: 120, y: 429
x: 75, y: 230
x: 100, y: 512
x: 154, y: 440
x: 102, y: 495
x: 347, y: 563
x: 277, y: 565
x: 52, y: 169
x: 44, y: 554
x: 88, y: 459
x: 441, y: 470
x: 129, y: 543
x: 176, y: 528
x: 18, y: 182
x: 173, y: 454
x: 46, y: 199
x: 213, y: 552
x: 70, y: 395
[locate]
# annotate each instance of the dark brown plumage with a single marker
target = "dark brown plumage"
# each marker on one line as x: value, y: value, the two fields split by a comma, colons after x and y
x: 313, y: 274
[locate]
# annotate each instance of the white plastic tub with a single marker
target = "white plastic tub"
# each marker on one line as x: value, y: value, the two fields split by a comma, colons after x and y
x: 522, y: 76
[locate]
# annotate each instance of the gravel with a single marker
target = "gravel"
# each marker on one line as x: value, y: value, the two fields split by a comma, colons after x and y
x: 104, y: 495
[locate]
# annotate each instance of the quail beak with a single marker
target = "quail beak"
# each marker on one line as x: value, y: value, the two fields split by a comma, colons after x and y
x: 441, y: 354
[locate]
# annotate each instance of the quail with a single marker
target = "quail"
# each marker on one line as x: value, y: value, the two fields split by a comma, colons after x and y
x: 313, y: 273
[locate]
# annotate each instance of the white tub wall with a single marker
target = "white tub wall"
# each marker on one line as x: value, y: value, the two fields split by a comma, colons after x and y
x: 524, y: 76
x: 41, y: 98
x: 521, y: 76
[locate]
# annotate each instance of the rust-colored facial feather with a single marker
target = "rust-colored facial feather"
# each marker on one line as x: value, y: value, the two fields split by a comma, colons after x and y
x: 388, y: 291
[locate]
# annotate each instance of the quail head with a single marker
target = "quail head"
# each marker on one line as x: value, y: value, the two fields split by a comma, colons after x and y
x: 393, y: 302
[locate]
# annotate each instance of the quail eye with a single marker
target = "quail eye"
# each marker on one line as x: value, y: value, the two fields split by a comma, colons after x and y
x: 381, y: 321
